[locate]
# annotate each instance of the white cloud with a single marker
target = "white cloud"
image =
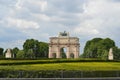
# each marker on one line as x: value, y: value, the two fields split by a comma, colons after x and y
x: 102, y: 9
x: 22, y: 24
x: 86, y: 31
x: 18, y: 4
x: 41, y: 4
x: 41, y: 17
x: 99, y: 17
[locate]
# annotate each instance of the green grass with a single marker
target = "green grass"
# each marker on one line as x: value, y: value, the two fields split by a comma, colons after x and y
x: 59, y: 64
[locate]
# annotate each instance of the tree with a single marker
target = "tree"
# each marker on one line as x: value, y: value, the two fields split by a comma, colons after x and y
x: 31, y: 44
x: 90, y: 50
x: 1, y: 52
x: 104, y: 55
x: 116, y: 53
x: 40, y: 49
x: 20, y: 54
x: 43, y: 49
x: 30, y: 54
x: 15, y: 51
x: 98, y: 48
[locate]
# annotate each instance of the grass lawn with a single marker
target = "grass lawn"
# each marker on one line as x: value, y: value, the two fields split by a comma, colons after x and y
x: 83, y: 66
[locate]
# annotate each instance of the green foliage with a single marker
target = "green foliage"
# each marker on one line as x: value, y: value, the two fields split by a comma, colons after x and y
x: 31, y: 44
x: 20, y: 54
x: 47, y: 61
x: 57, y: 74
x: 98, y: 48
x: 43, y: 50
x: 1, y: 52
x: 104, y: 55
x: 15, y: 51
x: 116, y: 53
x: 48, y: 68
x: 40, y: 49
x: 30, y: 54
x: 59, y: 64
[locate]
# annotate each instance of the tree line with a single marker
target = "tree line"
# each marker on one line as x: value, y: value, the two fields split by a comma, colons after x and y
x: 95, y: 48
x: 99, y: 48
x: 31, y: 49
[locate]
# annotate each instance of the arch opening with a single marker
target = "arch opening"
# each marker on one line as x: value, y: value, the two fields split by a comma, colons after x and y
x: 63, y: 51
x: 72, y: 55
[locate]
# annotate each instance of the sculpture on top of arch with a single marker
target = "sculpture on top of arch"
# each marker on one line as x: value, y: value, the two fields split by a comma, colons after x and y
x: 71, y: 44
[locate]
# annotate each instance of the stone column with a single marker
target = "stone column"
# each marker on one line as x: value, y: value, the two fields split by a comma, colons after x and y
x: 68, y: 48
x: 50, y: 52
x: 76, y: 54
x: 68, y: 52
x: 58, y: 53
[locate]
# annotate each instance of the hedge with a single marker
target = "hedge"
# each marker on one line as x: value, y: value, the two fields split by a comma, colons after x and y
x: 57, y: 74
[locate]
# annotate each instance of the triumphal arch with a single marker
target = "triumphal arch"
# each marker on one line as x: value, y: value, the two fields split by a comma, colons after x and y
x: 71, y: 44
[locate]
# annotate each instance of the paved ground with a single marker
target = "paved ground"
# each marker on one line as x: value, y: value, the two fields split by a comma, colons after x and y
x: 108, y: 78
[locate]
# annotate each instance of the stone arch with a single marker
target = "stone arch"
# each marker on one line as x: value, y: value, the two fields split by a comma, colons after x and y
x: 71, y: 44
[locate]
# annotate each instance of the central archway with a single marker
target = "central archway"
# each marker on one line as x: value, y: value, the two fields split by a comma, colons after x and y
x: 63, y: 52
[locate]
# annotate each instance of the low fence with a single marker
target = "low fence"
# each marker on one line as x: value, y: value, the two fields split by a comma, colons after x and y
x: 58, y: 74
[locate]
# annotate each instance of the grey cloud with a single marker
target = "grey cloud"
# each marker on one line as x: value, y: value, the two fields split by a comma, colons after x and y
x: 114, y: 0
x: 7, y: 2
x: 10, y: 34
x: 70, y: 6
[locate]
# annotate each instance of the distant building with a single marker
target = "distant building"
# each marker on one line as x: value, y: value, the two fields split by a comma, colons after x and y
x: 8, y: 54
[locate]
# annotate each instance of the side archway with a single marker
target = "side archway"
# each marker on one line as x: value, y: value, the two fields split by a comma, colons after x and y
x: 72, y: 55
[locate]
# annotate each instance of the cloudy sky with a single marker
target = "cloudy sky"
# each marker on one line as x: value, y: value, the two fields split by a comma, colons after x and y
x: 41, y: 19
